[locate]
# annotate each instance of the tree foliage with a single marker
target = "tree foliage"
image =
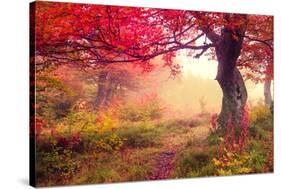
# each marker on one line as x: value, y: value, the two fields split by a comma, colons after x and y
x: 94, y: 35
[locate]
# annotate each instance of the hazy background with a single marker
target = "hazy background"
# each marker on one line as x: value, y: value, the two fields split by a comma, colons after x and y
x: 195, y: 84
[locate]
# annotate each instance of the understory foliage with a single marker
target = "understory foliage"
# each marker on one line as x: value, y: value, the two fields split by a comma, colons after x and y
x: 149, y: 107
x: 244, y: 151
x: 75, y: 143
x: 82, y: 135
x: 112, y: 148
x: 240, y: 152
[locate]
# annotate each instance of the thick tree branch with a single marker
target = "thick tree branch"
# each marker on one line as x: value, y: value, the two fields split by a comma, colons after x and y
x: 211, y: 35
x: 203, y: 51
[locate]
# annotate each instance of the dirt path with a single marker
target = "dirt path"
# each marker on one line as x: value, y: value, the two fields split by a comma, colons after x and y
x: 165, y: 165
x: 173, y: 143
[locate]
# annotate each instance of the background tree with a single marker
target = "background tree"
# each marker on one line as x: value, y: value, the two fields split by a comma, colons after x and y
x: 113, y: 81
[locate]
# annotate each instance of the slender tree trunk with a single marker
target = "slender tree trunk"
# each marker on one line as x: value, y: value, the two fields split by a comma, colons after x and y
x: 267, y: 93
x: 101, y: 91
x: 107, y: 85
x: 110, y: 90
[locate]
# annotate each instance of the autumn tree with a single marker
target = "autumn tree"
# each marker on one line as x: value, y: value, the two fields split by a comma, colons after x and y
x: 113, y: 81
x: 93, y: 35
x: 257, y: 54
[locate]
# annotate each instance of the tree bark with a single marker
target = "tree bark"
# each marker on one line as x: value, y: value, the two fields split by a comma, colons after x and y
x: 111, y: 89
x: 234, y: 99
x: 107, y: 85
x: 267, y: 93
x: 235, y: 96
x: 101, y: 91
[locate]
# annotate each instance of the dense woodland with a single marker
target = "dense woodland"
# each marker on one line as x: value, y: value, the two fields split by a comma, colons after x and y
x: 100, y: 118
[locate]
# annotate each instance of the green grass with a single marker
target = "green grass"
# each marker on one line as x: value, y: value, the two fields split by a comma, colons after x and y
x: 139, y: 136
x: 194, y: 162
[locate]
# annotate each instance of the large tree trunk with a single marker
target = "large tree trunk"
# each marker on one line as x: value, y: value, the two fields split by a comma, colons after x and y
x: 267, y: 93
x: 229, y: 78
x: 234, y: 99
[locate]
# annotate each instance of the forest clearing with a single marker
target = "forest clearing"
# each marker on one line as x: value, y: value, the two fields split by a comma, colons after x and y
x: 141, y: 139
x: 159, y: 94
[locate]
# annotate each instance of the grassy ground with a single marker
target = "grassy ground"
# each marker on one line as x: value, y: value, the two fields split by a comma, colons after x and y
x: 151, y: 150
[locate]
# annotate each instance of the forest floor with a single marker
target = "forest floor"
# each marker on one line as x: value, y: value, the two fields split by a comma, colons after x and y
x: 172, y: 144
x: 162, y: 149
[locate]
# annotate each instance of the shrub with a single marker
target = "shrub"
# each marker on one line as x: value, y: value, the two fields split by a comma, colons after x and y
x: 257, y: 132
x: 247, y: 155
x: 206, y: 170
x: 235, y: 136
x: 91, y: 122
x: 107, y: 121
x: 95, y: 131
x: 80, y: 122
x: 63, y: 106
x: 56, y: 163
x: 131, y: 113
x: 139, y: 136
x: 257, y: 161
x: 55, y: 99
x: 259, y: 113
x: 137, y: 172
x: 148, y: 108
x: 232, y: 163
x: 104, y: 175
x: 108, y: 144
x: 251, y: 161
x: 191, y: 162
x: 258, y: 154
x: 214, y: 139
